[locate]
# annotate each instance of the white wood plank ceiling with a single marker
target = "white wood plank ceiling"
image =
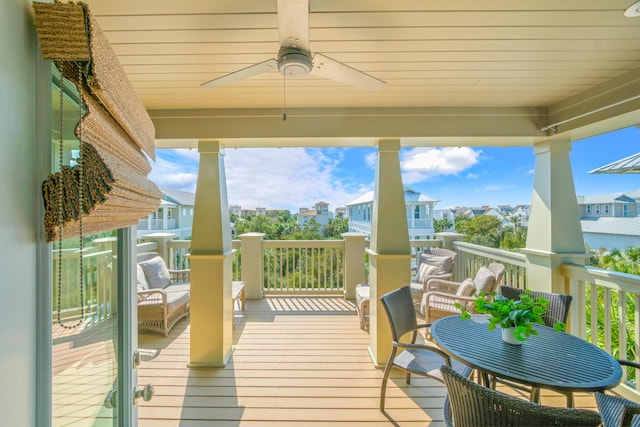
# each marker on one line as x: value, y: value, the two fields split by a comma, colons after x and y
x: 432, y: 54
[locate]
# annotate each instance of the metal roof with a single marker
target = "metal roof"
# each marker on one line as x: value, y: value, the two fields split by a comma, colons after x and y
x: 622, y: 226
x: 629, y: 164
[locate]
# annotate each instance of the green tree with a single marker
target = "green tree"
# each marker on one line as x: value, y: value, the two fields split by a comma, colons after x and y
x: 309, y: 231
x: 440, y: 225
x: 461, y: 223
x: 336, y: 227
x: 483, y: 230
x: 627, y: 261
x: 623, y: 261
x: 256, y: 224
x: 513, y: 239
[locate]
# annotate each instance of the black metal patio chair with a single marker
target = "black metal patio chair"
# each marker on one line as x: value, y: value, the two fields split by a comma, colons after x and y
x: 419, y: 359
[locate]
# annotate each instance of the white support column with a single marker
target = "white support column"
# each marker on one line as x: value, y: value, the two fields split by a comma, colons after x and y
x: 555, y: 235
x: 390, y: 251
x: 211, y: 264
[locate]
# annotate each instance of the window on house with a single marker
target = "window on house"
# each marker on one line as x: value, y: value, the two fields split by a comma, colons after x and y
x: 605, y: 209
x: 625, y: 210
x: 416, y: 212
x: 597, y: 209
x: 588, y: 209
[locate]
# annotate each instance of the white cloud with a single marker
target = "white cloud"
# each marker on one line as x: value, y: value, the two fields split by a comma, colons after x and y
x: 422, y: 163
x: 284, y: 178
x: 288, y: 178
x: 173, y: 174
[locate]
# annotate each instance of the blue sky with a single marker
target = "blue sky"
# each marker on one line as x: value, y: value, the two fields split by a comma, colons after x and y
x: 292, y: 178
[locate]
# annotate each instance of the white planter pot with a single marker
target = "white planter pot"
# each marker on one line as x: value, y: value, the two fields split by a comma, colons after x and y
x: 508, y: 337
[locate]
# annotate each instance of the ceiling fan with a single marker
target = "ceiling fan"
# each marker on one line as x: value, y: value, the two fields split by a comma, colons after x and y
x: 294, y: 57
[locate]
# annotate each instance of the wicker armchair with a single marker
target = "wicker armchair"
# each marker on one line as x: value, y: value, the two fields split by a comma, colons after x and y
x: 617, y: 411
x: 469, y: 404
x: 434, y: 263
x: 442, y: 295
x: 420, y: 359
x: 163, y: 294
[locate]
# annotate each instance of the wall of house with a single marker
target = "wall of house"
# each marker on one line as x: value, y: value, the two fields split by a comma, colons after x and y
x: 610, y: 241
x: 19, y: 190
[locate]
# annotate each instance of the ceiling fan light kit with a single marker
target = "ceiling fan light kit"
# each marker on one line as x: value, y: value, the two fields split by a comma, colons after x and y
x: 294, y: 63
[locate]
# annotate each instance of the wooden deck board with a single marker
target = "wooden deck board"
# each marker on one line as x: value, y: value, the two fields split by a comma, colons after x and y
x: 299, y: 361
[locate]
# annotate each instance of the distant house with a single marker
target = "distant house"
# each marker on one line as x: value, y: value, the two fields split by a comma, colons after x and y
x: 609, y: 221
x: 320, y: 214
x: 522, y: 212
x: 174, y: 215
x: 617, y: 205
x: 340, y: 212
x: 448, y: 213
x: 418, y: 207
x: 245, y: 212
x: 485, y: 210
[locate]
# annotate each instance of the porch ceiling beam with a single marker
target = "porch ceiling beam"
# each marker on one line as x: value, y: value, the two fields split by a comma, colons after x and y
x: 349, y: 127
x: 607, y: 107
x: 614, y: 104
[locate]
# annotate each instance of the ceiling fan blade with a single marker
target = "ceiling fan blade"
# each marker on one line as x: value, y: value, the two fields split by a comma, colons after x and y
x: 328, y: 68
x: 293, y: 23
x: 252, y: 70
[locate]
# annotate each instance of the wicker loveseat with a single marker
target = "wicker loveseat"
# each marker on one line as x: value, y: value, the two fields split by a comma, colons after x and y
x: 163, y: 294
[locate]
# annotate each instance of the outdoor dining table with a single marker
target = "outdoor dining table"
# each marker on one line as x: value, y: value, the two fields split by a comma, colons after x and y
x: 552, y: 360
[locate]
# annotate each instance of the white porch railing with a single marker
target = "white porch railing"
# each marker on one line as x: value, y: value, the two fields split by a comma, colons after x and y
x: 609, y: 304
x: 303, y: 266
x: 471, y: 257
x: 97, y: 302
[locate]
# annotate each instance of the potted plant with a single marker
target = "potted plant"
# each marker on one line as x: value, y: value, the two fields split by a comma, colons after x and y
x: 516, y: 317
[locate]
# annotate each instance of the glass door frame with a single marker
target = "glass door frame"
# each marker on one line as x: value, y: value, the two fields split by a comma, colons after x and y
x: 127, y: 414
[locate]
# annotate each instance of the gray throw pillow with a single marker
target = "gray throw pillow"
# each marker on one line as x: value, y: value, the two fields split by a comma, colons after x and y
x: 485, y: 280
x: 444, y: 264
x: 156, y: 272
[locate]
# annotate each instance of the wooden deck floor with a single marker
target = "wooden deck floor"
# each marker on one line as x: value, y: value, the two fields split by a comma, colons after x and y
x: 298, y: 361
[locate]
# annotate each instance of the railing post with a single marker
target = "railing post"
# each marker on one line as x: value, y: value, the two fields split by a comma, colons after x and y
x: 354, y: 267
x: 252, y: 264
x: 161, y: 239
x: 448, y: 237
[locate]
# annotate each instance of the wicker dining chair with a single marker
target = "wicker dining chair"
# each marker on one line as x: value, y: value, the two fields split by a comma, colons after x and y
x: 469, y: 404
x: 557, y: 311
x: 420, y: 359
x: 617, y: 411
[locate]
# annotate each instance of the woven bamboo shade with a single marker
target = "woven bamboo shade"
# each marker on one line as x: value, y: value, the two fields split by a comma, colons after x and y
x: 116, y: 126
